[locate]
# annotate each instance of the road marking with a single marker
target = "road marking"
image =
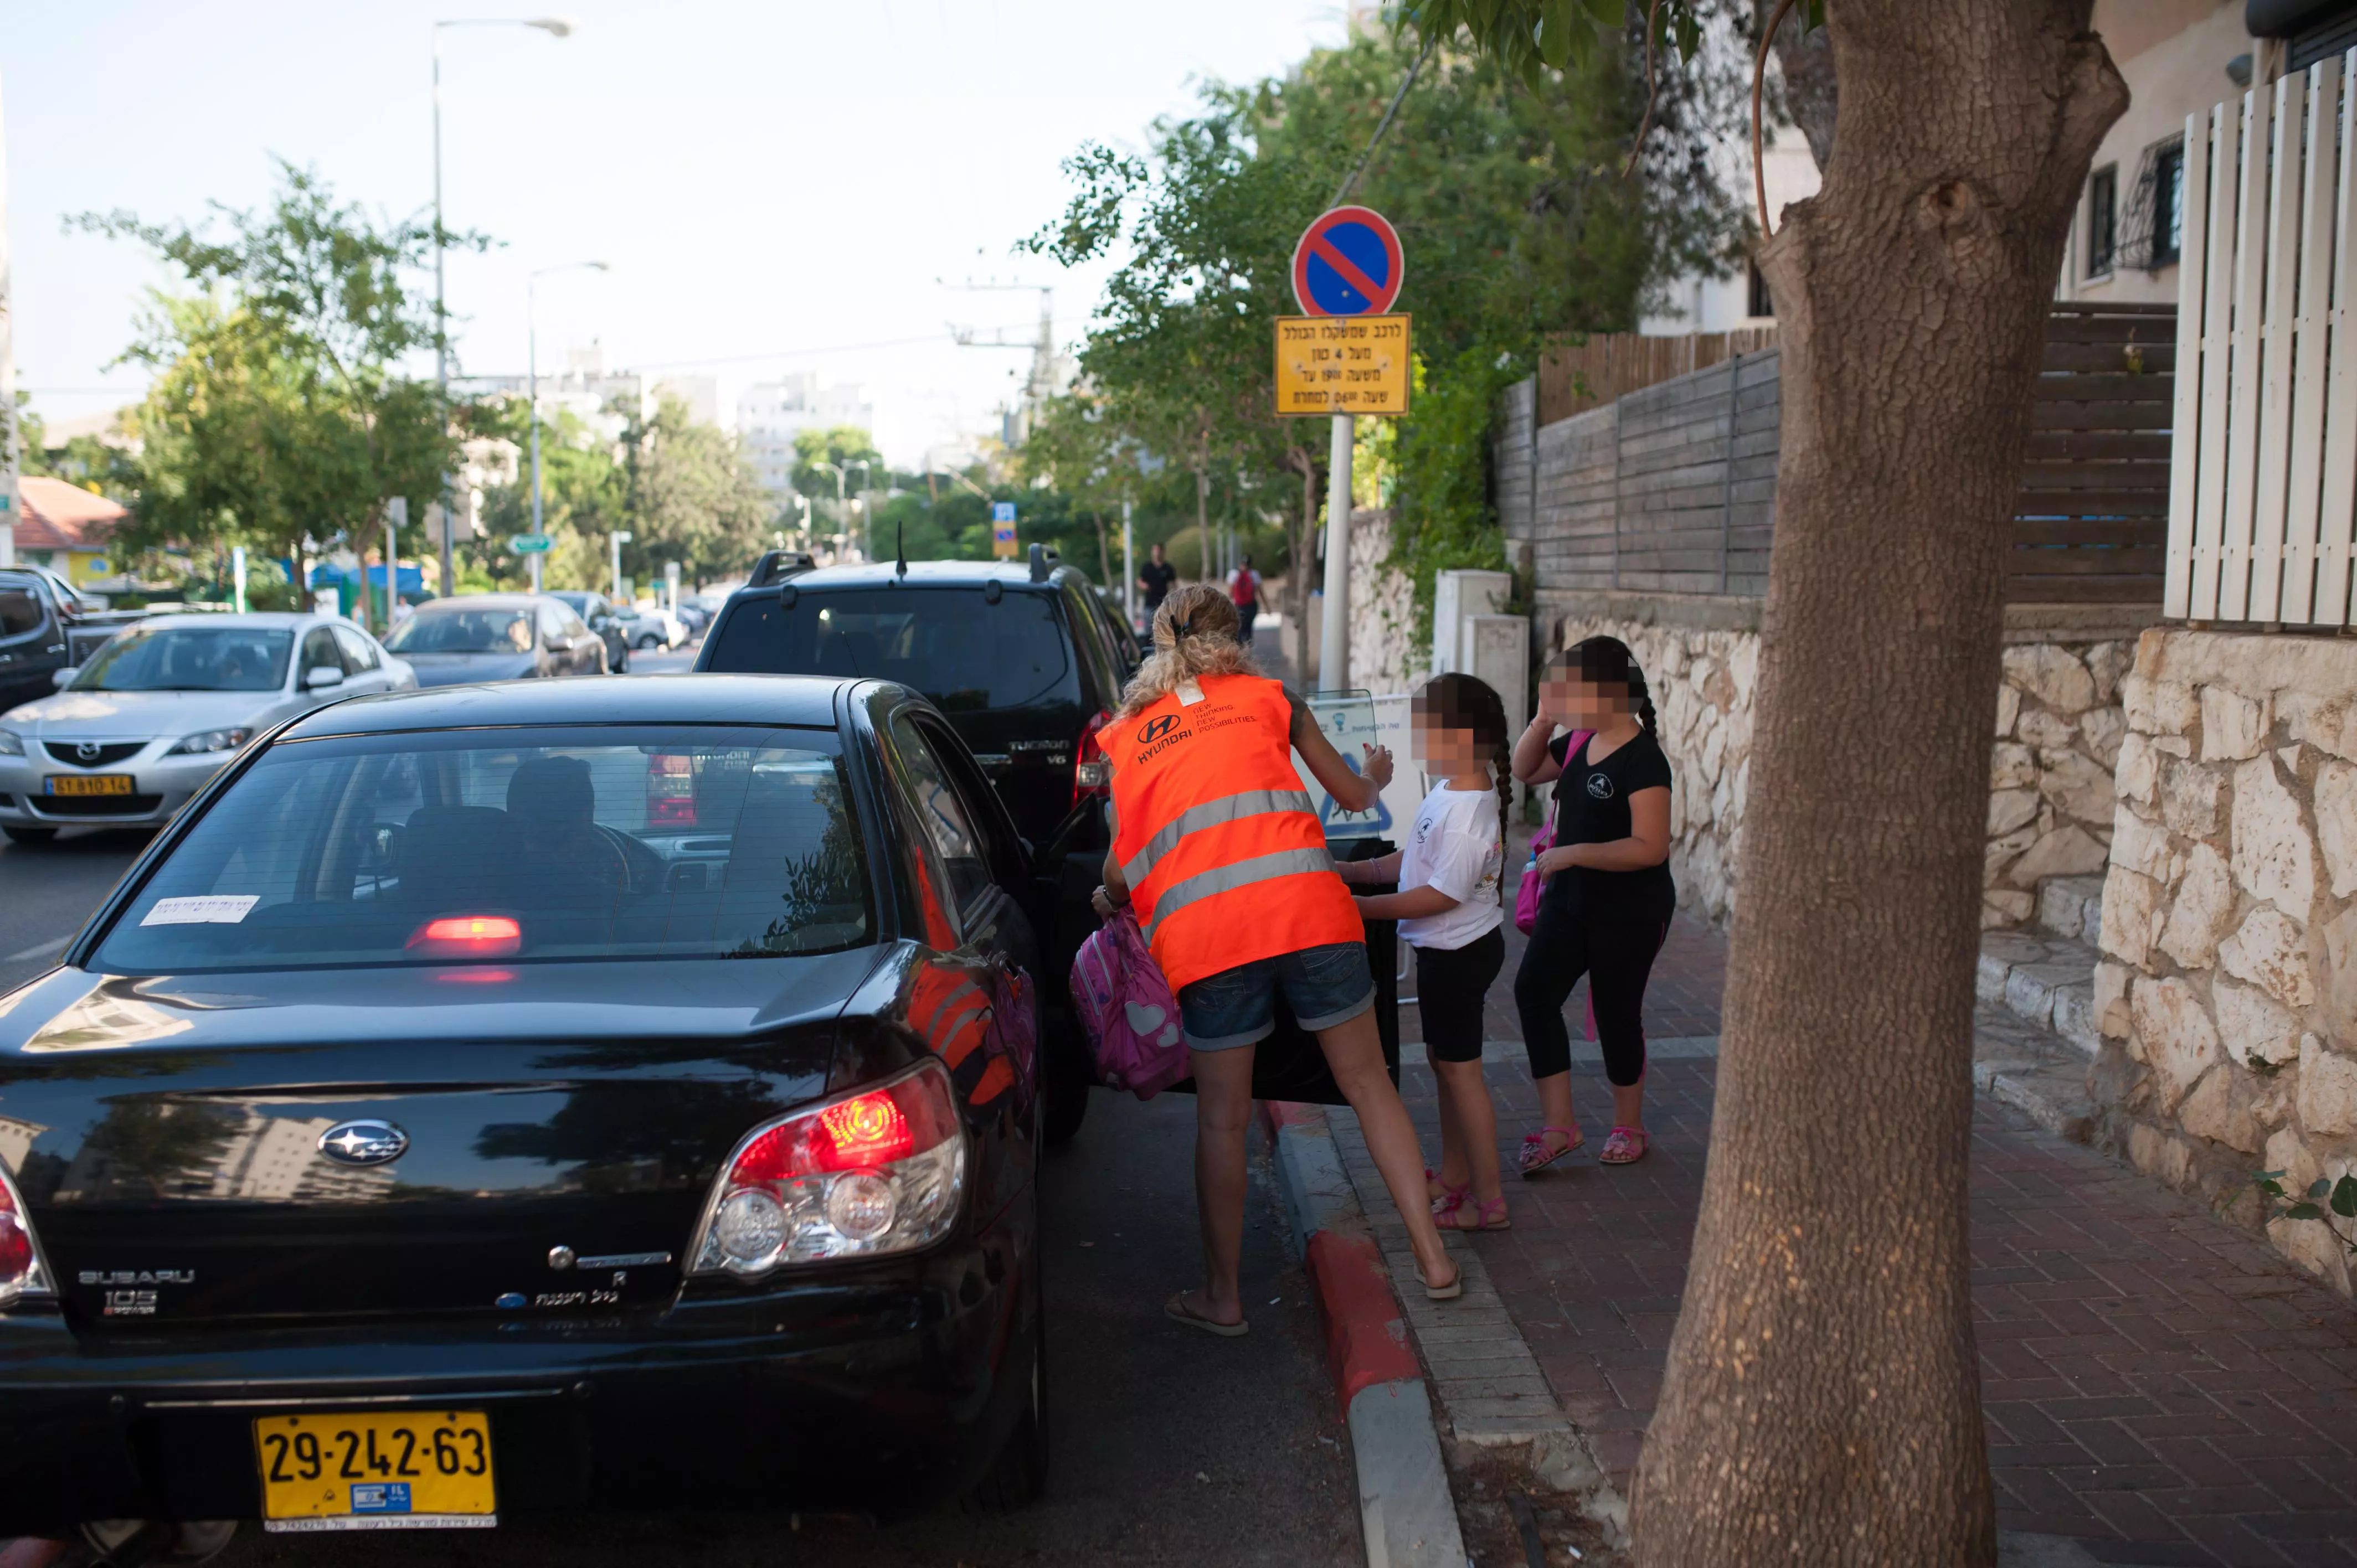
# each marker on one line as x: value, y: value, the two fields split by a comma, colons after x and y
x: 44, y: 950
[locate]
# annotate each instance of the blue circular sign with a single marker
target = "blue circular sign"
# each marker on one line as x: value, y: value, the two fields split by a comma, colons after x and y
x: 1348, y: 262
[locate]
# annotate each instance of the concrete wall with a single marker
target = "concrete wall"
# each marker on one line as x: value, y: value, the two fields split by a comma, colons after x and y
x: 2227, y: 992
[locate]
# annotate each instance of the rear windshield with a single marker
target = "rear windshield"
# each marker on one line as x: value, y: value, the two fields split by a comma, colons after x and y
x: 20, y: 612
x: 191, y: 659
x: 463, y: 631
x: 965, y: 653
x: 515, y: 845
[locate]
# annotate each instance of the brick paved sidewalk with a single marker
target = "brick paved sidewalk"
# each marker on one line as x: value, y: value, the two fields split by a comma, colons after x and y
x: 2162, y: 1387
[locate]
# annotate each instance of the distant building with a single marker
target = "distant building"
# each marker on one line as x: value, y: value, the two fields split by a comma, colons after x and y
x: 67, y: 530
x: 771, y: 414
x: 603, y: 399
x: 16, y: 1141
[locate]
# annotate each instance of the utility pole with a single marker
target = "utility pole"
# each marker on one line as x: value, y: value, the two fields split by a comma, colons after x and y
x: 1334, y: 643
x: 616, y: 540
x: 1128, y: 566
x: 1040, y: 385
x: 396, y: 515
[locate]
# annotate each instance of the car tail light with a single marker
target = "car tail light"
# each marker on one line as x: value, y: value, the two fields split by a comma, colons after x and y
x: 869, y: 1174
x: 467, y: 936
x: 1092, y: 770
x: 670, y: 789
x: 21, y: 1272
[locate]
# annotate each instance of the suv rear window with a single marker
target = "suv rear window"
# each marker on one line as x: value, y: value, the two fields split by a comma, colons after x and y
x: 20, y: 611
x: 686, y: 842
x: 965, y: 653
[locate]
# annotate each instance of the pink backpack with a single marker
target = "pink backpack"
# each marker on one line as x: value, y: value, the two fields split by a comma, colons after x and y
x: 1526, y: 900
x: 1127, y: 1008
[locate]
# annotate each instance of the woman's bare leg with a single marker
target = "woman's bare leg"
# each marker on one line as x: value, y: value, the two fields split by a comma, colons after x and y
x: 1223, y: 1118
x: 1471, y: 1121
x: 1454, y: 1171
x: 1354, y: 1052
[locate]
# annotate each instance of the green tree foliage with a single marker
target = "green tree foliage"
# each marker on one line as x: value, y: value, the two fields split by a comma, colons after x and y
x: 281, y: 407
x: 690, y: 497
x: 1507, y: 189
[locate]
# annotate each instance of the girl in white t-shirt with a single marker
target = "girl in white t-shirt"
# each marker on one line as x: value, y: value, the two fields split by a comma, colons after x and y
x: 1449, y: 909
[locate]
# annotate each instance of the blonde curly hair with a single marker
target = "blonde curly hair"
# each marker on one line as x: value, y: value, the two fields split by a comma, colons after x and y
x: 1194, y: 636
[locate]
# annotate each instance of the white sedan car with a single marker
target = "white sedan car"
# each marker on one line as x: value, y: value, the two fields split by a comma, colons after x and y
x: 137, y: 731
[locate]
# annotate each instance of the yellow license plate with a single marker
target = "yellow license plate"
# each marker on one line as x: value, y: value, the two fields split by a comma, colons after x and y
x: 90, y: 784
x: 392, y: 1470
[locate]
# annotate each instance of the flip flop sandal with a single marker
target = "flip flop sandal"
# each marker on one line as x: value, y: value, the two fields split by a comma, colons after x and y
x: 1177, y: 1310
x: 1474, y: 1215
x: 1537, y: 1156
x: 1448, y: 1291
x: 1626, y: 1146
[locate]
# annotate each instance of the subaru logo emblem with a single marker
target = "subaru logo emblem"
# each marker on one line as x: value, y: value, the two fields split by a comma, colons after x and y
x: 1157, y: 728
x: 87, y: 751
x: 364, y: 1143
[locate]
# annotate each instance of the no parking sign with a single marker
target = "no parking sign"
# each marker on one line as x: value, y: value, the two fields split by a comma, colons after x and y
x: 1345, y: 355
x: 1348, y: 262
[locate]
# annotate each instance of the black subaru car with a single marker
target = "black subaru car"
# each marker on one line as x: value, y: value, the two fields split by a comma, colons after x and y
x: 585, y: 1094
x: 1027, y: 662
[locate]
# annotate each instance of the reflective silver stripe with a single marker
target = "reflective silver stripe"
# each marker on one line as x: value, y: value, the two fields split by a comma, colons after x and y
x: 957, y: 993
x: 1211, y: 814
x: 1242, y: 874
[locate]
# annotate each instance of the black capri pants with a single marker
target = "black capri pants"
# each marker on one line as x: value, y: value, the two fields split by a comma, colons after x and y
x: 1451, y: 983
x: 1615, y: 948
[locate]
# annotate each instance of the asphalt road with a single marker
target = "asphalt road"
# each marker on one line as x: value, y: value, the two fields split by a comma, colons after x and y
x: 48, y: 890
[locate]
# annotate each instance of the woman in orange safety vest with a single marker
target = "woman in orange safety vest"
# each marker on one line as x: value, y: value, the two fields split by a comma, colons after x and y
x: 1221, y: 854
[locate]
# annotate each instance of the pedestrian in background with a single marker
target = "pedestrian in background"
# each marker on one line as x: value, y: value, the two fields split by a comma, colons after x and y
x: 1155, y: 580
x: 1223, y: 853
x: 1450, y: 909
x: 1243, y: 592
x: 1608, y: 897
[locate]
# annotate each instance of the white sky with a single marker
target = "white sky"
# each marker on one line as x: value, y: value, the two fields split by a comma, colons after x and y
x: 767, y: 179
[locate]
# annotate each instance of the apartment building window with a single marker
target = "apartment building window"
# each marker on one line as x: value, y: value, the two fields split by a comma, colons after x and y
x: 1756, y: 300
x: 2168, y: 204
x: 2103, y: 220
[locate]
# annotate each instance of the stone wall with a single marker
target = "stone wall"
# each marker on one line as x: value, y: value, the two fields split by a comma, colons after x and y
x: 2227, y: 992
x: 1384, y: 657
x: 2059, y: 728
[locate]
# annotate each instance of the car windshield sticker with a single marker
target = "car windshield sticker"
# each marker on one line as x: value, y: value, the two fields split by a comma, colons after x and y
x: 214, y: 910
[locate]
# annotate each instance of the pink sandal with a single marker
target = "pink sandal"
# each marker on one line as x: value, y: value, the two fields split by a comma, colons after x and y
x: 1626, y: 1146
x: 1537, y: 1156
x: 1472, y: 1214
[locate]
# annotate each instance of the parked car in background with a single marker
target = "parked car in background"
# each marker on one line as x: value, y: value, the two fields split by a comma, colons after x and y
x: 497, y: 637
x: 651, y: 627
x: 692, y: 615
x: 598, y: 615
x: 1026, y: 663
x: 722, y: 1193
x: 131, y: 736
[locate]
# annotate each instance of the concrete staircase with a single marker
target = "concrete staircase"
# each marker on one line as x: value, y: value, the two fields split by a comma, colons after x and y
x: 2034, y: 1032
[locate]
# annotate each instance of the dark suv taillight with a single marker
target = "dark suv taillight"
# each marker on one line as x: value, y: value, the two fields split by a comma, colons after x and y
x: 859, y: 1176
x: 1091, y: 770
x: 21, y: 1271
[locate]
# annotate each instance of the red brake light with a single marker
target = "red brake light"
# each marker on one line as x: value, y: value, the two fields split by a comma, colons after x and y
x: 1092, y: 768
x: 670, y: 789
x: 467, y: 936
x: 877, y: 1172
x: 20, y: 1260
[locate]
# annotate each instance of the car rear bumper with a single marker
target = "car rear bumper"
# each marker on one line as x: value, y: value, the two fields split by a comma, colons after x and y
x: 882, y: 1397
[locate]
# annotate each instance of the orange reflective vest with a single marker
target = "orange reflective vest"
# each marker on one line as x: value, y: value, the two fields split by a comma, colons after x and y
x: 1222, y: 848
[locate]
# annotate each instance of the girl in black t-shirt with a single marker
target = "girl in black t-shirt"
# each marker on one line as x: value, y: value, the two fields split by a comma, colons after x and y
x: 1608, y: 895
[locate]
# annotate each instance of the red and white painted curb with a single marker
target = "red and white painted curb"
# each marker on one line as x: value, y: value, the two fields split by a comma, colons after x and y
x: 1409, y: 1517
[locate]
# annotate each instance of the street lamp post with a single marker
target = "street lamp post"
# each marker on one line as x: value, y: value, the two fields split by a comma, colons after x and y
x: 830, y: 468
x: 555, y: 27
x: 866, y: 506
x: 619, y: 537
x: 532, y: 371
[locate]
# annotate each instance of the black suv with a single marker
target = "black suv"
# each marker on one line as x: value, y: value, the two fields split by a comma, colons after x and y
x: 1025, y: 662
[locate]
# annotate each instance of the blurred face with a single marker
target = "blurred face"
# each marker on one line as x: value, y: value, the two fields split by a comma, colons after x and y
x: 1577, y: 703
x: 1444, y: 748
x: 1157, y: 555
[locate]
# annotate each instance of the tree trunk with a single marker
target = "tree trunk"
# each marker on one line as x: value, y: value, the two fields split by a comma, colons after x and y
x: 1821, y: 1400
x: 1105, y: 551
x: 1204, y: 519
x: 1302, y: 563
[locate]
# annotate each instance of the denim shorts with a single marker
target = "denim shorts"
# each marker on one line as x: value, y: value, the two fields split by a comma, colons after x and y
x: 1325, y: 987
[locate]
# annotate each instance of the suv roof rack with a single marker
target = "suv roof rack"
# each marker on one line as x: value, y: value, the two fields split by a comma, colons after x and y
x: 777, y: 565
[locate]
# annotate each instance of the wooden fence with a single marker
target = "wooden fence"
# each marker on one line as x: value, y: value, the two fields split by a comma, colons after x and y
x: 1607, y: 365
x: 1672, y: 488
x: 2264, y: 501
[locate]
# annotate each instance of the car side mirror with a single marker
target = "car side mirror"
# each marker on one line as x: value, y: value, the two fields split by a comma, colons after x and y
x: 320, y: 676
x: 64, y: 677
x: 560, y: 644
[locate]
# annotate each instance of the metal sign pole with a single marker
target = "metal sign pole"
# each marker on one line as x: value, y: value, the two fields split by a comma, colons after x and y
x: 1334, y: 644
x: 1128, y: 566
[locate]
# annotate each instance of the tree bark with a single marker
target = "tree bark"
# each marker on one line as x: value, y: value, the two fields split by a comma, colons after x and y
x: 1821, y: 1400
x: 1204, y: 519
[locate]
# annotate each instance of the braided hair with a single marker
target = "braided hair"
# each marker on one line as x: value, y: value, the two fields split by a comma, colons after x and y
x: 1606, y: 661
x: 1456, y: 701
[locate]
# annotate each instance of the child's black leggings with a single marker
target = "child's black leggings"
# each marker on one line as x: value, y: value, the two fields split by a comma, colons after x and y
x: 1614, y: 948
